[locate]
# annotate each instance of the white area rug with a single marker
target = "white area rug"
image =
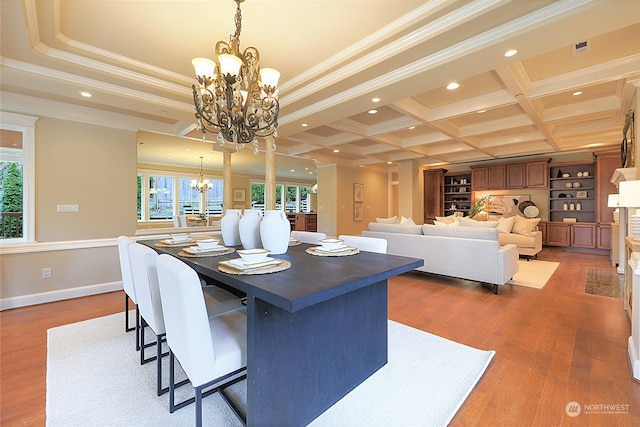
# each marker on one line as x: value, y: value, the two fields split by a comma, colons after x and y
x: 94, y: 379
x: 533, y: 273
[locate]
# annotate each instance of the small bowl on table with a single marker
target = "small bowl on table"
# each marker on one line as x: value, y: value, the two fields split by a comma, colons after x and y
x: 330, y: 244
x: 179, y: 238
x: 251, y: 256
x: 208, y: 243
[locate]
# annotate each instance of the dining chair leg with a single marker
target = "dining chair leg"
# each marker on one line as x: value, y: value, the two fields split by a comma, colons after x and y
x: 143, y: 345
x: 198, y: 406
x: 137, y: 329
x: 126, y: 314
x: 172, y: 387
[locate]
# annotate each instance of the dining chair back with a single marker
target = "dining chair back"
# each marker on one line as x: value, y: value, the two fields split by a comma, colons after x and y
x: 209, y: 349
x: 311, y: 237
x: 368, y: 244
x: 127, y: 284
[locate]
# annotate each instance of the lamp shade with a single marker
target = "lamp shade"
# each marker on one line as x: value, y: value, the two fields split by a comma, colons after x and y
x: 613, y: 201
x: 269, y: 77
x: 229, y: 64
x: 629, y: 194
x: 204, y: 67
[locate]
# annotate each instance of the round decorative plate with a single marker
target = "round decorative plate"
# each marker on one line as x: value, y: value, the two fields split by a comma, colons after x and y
x: 531, y: 211
x: 523, y: 205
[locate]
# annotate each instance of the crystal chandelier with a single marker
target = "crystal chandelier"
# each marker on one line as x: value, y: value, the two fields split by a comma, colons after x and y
x: 202, y: 185
x: 240, y: 101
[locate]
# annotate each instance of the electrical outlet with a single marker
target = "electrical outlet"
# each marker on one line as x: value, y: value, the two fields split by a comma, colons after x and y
x: 46, y: 273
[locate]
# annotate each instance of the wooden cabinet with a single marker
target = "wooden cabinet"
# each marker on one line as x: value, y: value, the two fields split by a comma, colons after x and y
x: 603, y: 236
x: 580, y: 235
x: 457, y: 193
x: 306, y: 222
x: 527, y: 175
x: 515, y: 175
x: 606, y: 164
x: 433, y: 194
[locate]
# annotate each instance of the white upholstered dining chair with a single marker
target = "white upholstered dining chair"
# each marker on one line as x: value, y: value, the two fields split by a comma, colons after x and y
x: 311, y: 237
x: 211, y: 350
x: 368, y: 244
x: 145, y: 279
x: 127, y: 284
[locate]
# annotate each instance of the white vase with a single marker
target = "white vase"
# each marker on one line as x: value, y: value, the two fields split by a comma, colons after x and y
x: 229, y: 227
x: 250, y: 229
x: 275, y: 229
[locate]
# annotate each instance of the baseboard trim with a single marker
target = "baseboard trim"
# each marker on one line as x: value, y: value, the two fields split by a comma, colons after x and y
x: 59, y: 295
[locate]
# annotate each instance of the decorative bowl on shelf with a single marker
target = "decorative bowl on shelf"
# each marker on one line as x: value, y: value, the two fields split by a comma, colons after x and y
x: 568, y: 185
x: 585, y: 173
x: 576, y: 185
x: 331, y: 243
x: 208, y: 243
x: 566, y: 175
x: 251, y: 256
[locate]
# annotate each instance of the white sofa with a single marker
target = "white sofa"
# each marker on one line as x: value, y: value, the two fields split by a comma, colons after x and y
x: 465, y: 252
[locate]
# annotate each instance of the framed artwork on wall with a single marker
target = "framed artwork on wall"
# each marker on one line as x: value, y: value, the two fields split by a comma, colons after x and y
x: 581, y: 193
x: 358, y: 192
x: 238, y: 194
x: 358, y: 215
x: 507, y: 204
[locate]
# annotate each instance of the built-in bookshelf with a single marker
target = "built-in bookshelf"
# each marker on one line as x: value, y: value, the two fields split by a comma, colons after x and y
x: 457, y: 193
x: 572, y: 191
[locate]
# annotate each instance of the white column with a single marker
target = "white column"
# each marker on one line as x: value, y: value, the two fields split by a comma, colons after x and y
x: 226, y: 179
x: 270, y: 174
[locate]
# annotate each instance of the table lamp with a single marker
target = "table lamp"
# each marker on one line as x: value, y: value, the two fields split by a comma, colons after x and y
x: 613, y: 203
x: 629, y: 197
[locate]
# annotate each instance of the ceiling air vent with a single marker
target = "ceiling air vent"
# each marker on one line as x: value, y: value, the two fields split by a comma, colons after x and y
x: 581, y: 47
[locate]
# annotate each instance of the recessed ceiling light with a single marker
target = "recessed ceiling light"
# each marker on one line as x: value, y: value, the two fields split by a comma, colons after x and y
x: 310, y: 173
x: 577, y: 93
x: 411, y: 127
x: 336, y: 151
x: 292, y: 170
x: 482, y: 111
x: 86, y: 94
x: 452, y: 86
x: 389, y: 163
x: 375, y: 99
x: 510, y: 53
x: 372, y: 111
x: 304, y: 125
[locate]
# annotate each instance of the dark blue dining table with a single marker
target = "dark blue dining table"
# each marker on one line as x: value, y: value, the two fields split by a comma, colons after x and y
x: 314, y: 331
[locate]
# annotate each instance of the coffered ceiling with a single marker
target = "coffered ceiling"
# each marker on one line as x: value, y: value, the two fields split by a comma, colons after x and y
x: 134, y: 57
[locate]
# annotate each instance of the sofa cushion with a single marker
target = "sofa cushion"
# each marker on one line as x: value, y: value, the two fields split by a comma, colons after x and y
x: 463, y: 232
x: 524, y: 226
x: 468, y: 222
x: 392, y: 220
x: 445, y: 224
x: 505, y: 225
x: 395, y: 228
x: 520, y: 240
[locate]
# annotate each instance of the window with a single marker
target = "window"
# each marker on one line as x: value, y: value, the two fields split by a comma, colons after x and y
x: 295, y: 198
x: 17, y: 178
x: 161, y: 197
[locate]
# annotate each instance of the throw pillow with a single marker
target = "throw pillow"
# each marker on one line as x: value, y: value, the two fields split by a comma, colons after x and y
x: 524, y: 226
x: 406, y: 221
x: 392, y: 220
x: 468, y: 222
x: 505, y: 225
x: 444, y: 224
x: 447, y: 219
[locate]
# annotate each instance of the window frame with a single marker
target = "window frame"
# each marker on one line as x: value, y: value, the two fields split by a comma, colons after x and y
x: 27, y: 126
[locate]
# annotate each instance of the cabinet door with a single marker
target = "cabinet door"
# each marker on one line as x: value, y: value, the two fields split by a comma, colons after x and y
x: 603, y: 236
x: 536, y: 175
x: 433, y: 194
x: 497, y: 177
x: 606, y: 164
x: 479, y: 179
x: 583, y: 235
x: 558, y: 234
x: 516, y: 175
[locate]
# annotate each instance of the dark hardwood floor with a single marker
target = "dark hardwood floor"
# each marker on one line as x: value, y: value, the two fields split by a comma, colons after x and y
x: 553, y: 346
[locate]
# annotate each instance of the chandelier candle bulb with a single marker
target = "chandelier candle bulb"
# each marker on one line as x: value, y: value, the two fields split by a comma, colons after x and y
x: 204, y: 67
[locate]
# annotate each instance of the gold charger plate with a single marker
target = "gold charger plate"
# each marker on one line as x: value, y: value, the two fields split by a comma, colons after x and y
x: 294, y: 242
x: 186, y: 254
x: 313, y: 251
x: 283, y: 265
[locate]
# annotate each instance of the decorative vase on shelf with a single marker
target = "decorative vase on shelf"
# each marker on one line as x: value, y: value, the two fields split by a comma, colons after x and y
x: 250, y: 229
x: 274, y: 231
x: 229, y: 227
